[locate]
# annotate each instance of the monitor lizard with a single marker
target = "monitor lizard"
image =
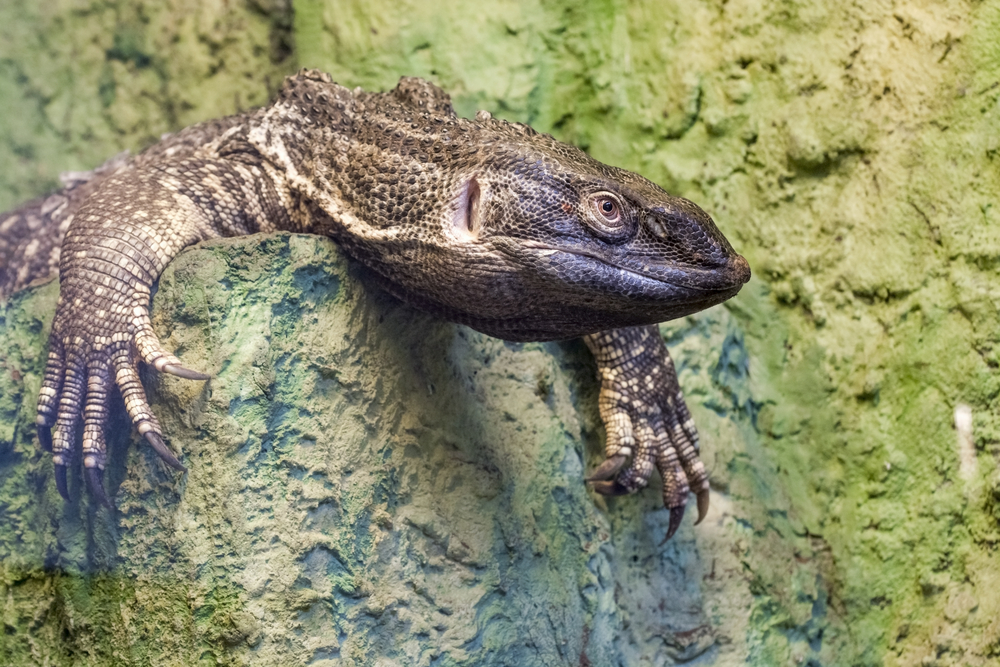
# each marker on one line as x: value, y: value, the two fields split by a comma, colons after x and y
x: 480, y: 221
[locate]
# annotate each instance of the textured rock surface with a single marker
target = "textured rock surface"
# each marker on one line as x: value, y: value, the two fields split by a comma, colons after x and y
x: 82, y: 80
x: 363, y: 490
x: 365, y: 482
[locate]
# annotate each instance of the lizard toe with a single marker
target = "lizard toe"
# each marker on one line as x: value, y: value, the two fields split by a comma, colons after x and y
x: 133, y: 394
x: 610, y: 488
x: 685, y: 444
x: 152, y: 352
x: 45, y: 437
x: 676, y: 514
x: 702, y: 506
x: 95, y: 411
x: 67, y: 417
x: 182, y: 372
x: 61, y: 484
x: 155, y: 441
x: 48, y: 395
x: 95, y: 481
x: 608, y: 468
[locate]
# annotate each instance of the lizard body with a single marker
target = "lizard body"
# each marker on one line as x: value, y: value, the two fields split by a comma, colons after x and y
x: 480, y: 221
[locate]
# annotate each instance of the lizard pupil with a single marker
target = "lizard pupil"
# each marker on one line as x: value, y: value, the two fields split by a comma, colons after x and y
x: 607, y: 217
x: 608, y: 208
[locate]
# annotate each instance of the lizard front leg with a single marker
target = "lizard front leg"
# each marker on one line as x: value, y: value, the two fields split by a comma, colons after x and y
x: 119, y: 242
x: 648, y: 423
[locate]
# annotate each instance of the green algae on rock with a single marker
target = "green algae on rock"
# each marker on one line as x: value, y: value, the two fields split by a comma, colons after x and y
x: 364, y: 481
x: 82, y: 81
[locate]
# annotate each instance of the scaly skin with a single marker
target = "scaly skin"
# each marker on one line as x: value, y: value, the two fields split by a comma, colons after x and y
x: 647, y: 420
x: 482, y: 222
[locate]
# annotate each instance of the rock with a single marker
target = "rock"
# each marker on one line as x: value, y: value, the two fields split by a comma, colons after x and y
x: 364, y: 482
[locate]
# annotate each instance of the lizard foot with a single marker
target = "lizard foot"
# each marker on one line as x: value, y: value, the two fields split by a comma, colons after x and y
x: 648, y: 423
x: 90, y: 353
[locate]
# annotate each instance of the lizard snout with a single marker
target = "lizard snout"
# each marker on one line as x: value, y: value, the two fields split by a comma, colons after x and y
x: 739, y: 269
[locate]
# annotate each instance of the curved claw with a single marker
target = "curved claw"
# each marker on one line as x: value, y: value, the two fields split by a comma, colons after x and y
x: 608, y: 469
x: 61, y: 481
x: 96, y: 484
x: 676, y: 514
x: 186, y: 373
x: 612, y: 488
x: 702, y: 506
x: 156, y: 442
x: 45, y: 437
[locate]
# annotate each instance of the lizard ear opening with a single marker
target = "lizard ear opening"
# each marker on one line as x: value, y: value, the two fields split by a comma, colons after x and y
x: 466, y: 221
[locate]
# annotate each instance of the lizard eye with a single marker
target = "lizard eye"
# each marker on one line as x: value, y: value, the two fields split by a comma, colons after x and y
x: 609, y: 209
x: 608, y: 217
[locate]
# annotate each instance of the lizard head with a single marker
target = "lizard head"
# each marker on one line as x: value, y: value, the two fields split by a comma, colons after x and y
x: 582, y: 246
x: 526, y: 238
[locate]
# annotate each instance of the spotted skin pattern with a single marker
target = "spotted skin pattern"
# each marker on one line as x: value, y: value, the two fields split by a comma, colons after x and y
x: 479, y: 221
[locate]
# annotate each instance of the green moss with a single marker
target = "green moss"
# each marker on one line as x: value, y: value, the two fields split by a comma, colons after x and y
x: 364, y: 481
x: 83, y: 81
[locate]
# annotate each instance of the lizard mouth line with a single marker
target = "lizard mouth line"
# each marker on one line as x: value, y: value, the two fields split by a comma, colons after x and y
x: 549, y: 250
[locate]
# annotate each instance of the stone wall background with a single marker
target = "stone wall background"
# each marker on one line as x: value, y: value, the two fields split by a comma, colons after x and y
x: 368, y: 486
